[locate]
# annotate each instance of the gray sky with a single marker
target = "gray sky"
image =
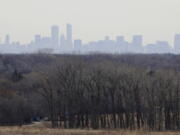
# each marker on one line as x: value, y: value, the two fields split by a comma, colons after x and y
x: 91, y: 19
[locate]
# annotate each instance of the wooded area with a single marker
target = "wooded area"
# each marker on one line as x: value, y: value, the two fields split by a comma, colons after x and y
x: 91, y: 91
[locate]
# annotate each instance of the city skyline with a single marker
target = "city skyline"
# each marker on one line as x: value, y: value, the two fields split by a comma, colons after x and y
x: 92, y: 19
x: 128, y: 38
x: 59, y: 42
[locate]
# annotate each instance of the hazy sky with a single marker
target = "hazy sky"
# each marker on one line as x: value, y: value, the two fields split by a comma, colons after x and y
x: 91, y: 19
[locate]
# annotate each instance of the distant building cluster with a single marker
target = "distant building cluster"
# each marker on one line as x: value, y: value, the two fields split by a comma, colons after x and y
x: 60, y: 43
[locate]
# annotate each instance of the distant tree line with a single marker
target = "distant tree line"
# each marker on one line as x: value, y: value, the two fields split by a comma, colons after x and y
x: 93, y: 92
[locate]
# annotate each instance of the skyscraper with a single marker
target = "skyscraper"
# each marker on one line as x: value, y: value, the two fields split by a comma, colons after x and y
x: 177, y: 43
x: 69, y: 36
x: 62, y: 43
x: 162, y: 47
x: 55, y: 36
x: 37, y: 39
x: 77, y: 44
x: 120, y: 40
x: 7, y: 40
x: 137, y: 44
x: 137, y: 40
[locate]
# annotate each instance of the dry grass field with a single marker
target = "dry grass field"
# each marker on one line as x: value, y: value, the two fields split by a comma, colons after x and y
x: 41, y: 129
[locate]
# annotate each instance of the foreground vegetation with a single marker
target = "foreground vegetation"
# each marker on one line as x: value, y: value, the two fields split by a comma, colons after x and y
x: 92, y: 91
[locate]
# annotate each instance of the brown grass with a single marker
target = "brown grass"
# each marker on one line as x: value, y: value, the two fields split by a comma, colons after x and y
x: 40, y: 129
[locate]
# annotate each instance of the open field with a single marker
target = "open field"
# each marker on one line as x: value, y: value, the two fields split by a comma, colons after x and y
x: 41, y: 129
x: 47, y: 131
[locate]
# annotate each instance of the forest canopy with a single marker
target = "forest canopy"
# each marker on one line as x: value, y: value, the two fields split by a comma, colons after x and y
x: 91, y: 91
